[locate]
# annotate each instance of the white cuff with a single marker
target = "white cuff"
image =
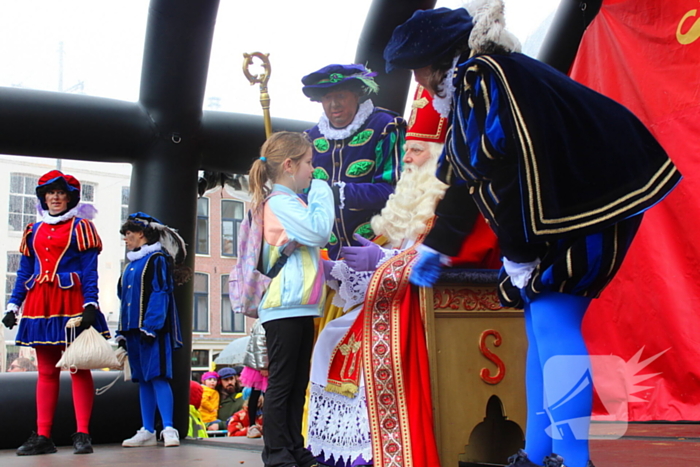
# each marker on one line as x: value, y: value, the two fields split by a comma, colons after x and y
x: 12, y: 308
x: 91, y: 303
x: 520, y: 273
x: 118, y: 338
x: 341, y: 194
x: 152, y: 334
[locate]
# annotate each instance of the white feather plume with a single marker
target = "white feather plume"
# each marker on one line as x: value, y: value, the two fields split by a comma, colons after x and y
x: 489, y: 33
x: 171, y: 241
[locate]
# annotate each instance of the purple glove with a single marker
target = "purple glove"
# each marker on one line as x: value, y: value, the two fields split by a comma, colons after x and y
x: 327, y: 268
x: 426, y: 270
x: 362, y: 258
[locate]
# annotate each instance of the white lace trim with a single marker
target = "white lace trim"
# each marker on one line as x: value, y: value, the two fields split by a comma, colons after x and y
x: 86, y: 211
x: 363, y: 112
x: 353, y: 285
x: 443, y: 105
x: 337, y: 301
x: 339, y: 425
x: 49, y: 219
x: 145, y: 250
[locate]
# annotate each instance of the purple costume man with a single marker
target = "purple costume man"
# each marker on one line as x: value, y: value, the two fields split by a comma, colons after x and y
x: 357, y: 148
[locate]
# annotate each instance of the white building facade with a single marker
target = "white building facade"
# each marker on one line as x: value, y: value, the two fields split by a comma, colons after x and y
x: 106, y: 187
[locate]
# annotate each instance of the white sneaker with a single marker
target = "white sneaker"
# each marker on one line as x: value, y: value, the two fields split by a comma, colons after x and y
x: 170, y: 437
x: 143, y: 437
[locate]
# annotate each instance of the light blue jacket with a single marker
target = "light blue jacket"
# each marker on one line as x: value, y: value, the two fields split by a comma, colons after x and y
x: 299, y: 289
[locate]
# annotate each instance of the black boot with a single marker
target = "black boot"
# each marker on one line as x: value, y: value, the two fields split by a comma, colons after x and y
x: 554, y: 461
x: 520, y: 460
x: 82, y: 443
x: 36, y: 445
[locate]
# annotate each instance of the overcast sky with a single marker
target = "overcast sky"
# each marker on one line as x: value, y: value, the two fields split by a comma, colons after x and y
x: 102, y: 45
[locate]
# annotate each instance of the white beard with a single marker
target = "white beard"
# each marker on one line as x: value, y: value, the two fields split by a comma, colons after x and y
x: 411, y: 205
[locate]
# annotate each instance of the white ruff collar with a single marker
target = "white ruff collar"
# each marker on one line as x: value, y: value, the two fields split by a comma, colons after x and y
x: 363, y: 113
x: 144, y: 251
x: 49, y: 219
x: 443, y: 105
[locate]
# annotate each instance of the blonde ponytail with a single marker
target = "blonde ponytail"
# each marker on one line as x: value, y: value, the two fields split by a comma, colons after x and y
x: 278, y: 147
x: 258, y: 178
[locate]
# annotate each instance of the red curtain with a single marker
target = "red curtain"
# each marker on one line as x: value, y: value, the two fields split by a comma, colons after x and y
x: 645, y: 54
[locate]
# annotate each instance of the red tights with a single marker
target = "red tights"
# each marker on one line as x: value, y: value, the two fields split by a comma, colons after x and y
x: 47, y: 387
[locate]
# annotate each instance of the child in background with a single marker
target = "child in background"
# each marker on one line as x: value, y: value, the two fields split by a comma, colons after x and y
x: 196, y: 429
x: 210, y: 399
x: 254, y: 375
x: 241, y: 424
x: 295, y: 296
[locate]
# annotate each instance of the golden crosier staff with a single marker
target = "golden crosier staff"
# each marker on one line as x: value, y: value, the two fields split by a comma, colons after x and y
x: 262, y: 79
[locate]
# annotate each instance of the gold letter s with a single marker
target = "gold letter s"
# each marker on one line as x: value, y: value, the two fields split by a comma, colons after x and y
x: 693, y: 33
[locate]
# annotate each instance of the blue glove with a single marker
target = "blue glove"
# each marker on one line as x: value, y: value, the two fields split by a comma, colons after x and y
x: 362, y: 258
x: 426, y: 270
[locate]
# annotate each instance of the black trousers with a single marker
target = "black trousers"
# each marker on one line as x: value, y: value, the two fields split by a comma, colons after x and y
x: 253, y: 405
x: 289, y: 347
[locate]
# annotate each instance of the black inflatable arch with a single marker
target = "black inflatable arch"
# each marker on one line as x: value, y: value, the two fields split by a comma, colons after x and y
x: 167, y: 132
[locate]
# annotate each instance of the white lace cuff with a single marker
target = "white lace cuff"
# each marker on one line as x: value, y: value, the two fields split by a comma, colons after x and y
x: 353, y: 285
x: 12, y: 308
x: 520, y: 273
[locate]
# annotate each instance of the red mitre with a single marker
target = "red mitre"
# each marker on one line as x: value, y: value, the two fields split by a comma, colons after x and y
x: 425, y: 123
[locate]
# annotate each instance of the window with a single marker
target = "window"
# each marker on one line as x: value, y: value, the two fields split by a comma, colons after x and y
x: 202, y: 226
x: 231, y: 217
x: 230, y: 321
x: 87, y: 193
x: 200, y: 358
x: 22, y: 201
x: 201, y: 303
x: 11, y: 275
x: 125, y: 203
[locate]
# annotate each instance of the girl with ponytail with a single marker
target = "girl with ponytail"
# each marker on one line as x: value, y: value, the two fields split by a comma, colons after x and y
x: 295, y: 295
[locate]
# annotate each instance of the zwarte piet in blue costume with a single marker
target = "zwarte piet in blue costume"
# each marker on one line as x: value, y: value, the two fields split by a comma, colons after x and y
x: 148, y: 322
x: 357, y: 148
x: 562, y: 174
x: 57, y: 281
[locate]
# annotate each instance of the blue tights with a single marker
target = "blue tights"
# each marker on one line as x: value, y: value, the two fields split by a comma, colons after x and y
x: 156, y: 393
x: 559, y: 390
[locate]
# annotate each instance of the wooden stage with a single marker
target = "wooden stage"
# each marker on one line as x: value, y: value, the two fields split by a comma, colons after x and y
x: 644, y: 445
